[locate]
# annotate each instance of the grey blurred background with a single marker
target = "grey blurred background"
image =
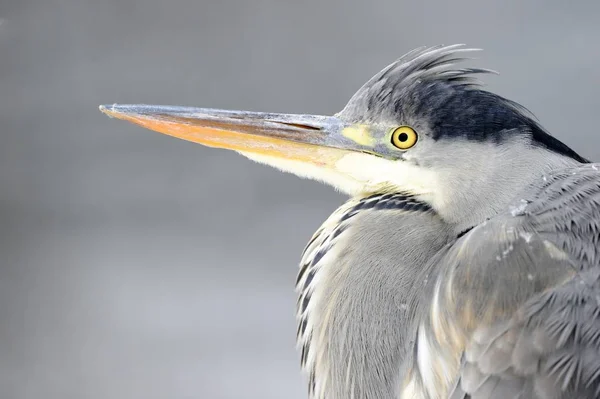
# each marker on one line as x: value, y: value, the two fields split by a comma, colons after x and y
x: 134, y: 265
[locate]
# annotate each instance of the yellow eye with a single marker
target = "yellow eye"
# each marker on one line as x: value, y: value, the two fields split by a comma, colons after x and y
x: 404, y: 137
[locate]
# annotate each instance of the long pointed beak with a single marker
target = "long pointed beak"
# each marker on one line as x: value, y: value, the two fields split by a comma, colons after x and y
x: 318, y: 140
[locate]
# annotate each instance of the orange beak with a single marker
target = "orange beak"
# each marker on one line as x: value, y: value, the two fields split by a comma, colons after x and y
x: 306, y: 138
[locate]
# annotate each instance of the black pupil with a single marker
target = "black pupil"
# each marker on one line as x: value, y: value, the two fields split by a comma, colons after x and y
x: 402, y: 137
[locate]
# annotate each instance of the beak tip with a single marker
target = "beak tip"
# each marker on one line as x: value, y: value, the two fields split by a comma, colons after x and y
x: 107, y: 109
x: 114, y: 110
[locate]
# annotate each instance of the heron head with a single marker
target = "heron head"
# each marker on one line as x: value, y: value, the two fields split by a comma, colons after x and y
x: 420, y: 126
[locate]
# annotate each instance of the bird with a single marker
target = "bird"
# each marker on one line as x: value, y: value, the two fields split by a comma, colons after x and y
x: 465, y: 263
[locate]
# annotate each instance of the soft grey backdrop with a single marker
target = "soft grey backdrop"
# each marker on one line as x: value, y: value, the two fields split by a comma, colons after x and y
x: 134, y: 265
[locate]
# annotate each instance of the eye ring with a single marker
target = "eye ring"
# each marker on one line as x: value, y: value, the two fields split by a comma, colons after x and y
x: 404, y: 137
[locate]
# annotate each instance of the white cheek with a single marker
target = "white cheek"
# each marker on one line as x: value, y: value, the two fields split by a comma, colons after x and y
x: 357, y: 173
x: 307, y: 170
x: 376, y: 172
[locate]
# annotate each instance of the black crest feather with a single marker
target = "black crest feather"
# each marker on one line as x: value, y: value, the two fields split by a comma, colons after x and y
x: 425, y: 86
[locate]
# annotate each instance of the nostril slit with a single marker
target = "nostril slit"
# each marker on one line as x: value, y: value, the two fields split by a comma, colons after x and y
x: 299, y: 125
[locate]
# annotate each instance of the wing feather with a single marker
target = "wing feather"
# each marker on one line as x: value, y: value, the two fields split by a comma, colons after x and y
x: 521, y: 295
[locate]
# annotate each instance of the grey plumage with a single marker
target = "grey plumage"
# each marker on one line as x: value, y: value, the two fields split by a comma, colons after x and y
x: 544, y: 339
x: 465, y: 265
x: 329, y: 271
x: 520, y: 294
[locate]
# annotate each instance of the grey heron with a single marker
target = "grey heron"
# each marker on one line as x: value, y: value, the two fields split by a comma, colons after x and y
x: 465, y: 263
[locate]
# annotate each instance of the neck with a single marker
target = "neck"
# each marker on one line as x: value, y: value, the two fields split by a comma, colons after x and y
x: 357, y: 294
x: 467, y: 199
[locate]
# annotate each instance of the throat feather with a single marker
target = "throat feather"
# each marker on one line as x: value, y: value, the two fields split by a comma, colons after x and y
x: 320, y: 263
